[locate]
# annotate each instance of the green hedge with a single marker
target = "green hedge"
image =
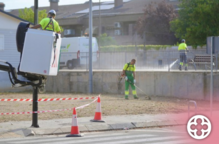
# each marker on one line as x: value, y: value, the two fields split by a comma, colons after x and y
x: 132, y: 47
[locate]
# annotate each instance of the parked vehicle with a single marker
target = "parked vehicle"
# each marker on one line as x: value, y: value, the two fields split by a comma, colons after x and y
x: 75, y: 51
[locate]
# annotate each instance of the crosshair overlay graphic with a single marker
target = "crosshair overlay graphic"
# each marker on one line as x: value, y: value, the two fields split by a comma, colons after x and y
x: 199, y: 127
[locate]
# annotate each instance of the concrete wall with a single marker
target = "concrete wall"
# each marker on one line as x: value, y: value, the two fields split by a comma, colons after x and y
x: 193, y: 85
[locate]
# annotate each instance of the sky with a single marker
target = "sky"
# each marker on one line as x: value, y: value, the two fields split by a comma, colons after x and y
x: 16, y: 4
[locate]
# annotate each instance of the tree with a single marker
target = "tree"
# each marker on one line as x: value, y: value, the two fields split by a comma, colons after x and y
x: 104, y: 40
x: 197, y: 20
x: 28, y: 15
x: 155, y: 23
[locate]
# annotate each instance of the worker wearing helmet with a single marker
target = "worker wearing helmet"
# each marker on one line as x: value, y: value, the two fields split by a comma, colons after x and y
x: 129, y: 73
x: 183, y: 54
x: 49, y: 23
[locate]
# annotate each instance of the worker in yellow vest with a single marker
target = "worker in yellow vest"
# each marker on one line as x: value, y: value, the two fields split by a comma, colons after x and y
x: 129, y: 73
x: 183, y: 54
x: 49, y: 23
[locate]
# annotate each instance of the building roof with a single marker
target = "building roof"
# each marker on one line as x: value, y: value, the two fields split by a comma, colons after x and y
x: 64, y: 11
x: 71, y: 11
x: 11, y: 15
x: 133, y: 7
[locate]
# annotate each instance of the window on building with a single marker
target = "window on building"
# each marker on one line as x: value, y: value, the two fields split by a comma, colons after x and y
x: 117, y: 32
x: 69, y: 32
x: 2, y: 42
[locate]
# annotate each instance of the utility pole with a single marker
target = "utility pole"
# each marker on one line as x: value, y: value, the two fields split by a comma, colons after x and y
x: 90, y: 49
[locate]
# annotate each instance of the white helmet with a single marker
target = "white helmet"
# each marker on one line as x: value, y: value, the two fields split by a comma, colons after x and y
x: 53, y: 12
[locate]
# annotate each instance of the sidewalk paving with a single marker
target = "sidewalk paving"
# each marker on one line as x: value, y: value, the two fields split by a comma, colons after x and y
x: 63, y: 126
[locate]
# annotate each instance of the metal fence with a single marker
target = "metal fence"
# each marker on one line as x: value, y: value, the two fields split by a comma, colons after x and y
x: 151, y: 60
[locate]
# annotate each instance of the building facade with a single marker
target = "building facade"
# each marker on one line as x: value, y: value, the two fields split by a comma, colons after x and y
x: 8, y: 47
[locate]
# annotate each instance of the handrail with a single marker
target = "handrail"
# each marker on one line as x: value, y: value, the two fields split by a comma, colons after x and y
x: 194, y: 102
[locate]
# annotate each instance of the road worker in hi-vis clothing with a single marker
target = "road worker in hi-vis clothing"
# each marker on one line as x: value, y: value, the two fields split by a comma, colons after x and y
x: 129, y: 74
x: 183, y: 54
x: 49, y: 23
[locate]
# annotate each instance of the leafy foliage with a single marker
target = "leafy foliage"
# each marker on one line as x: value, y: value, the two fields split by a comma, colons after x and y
x: 104, y: 40
x: 197, y: 20
x: 28, y: 14
x: 132, y: 47
x: 155, y: 23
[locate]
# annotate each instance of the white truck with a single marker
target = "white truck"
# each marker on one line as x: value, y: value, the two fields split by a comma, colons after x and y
x: 75, y: 51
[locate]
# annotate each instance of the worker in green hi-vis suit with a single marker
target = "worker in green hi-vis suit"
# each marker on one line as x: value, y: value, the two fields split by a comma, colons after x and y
x: 129, y: 73
x: 183, y: 54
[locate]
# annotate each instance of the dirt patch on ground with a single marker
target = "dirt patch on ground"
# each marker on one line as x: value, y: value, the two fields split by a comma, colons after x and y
x: 110, y: 104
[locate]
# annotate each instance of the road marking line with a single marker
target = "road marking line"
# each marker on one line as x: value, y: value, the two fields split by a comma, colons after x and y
x: 145, y: 140
x: 81, y: 140
x: 22, y: 138
x: 54, y: 137
x: 103, y: 140
x: 160, y: 131
x: 63, y: 138
x: 176, y: 142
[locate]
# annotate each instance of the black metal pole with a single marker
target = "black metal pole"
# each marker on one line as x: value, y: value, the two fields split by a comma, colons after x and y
x: 35, y: 12
x: 35, y: 108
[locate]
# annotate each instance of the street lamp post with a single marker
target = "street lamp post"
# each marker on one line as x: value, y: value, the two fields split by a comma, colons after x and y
x: 35, y: 89
x: 99, y: 19
x: 90, y: 49
x: 211, y: 79
x: 35, y: 12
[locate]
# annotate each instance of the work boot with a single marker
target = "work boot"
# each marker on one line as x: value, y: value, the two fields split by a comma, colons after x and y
x: 135, y: 97
x: 126, y: 97
x: 186, y: 68
x: 180, y: 67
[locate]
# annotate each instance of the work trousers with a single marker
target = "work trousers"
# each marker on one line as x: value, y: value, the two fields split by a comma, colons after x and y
x: 127, y: 83
x: 183, y: 59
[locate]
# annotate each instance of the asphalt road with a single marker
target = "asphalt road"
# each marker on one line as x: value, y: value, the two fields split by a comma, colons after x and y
x: 139, y: 136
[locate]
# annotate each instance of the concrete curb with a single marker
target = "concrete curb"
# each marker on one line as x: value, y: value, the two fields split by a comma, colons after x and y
x: 17, y: 133
x: 105, y: 127
x: 89, y: 128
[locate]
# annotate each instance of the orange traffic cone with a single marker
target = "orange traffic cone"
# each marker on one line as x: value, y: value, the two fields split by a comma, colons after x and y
x: 97, y: 117
x: 74, y: 126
